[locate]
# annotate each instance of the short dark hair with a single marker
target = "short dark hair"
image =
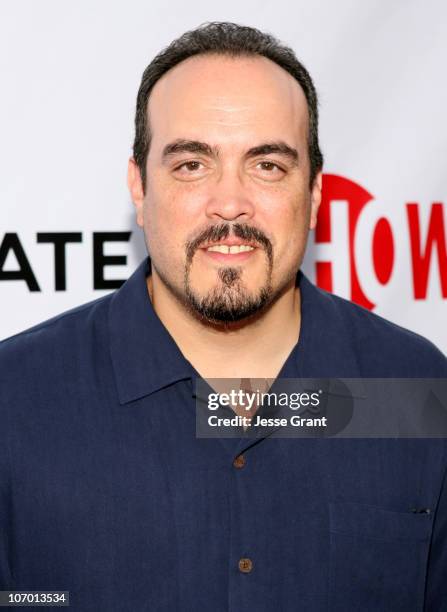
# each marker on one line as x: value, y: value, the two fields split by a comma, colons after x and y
x: 229, y: 39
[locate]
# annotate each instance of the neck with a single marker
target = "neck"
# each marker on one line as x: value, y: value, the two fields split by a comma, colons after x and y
x: 251, y: 349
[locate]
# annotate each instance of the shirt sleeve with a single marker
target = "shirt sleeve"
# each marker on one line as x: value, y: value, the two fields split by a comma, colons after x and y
x: 5, y: 573
x: 436, y: 589
x: 5, y: 500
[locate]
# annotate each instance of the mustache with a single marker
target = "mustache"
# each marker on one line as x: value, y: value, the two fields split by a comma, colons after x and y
x: 223, y: 230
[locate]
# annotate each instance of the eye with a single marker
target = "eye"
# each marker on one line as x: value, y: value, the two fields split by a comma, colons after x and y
x: 270, y: 170
x: 189, y: 166
x: 270, y: 166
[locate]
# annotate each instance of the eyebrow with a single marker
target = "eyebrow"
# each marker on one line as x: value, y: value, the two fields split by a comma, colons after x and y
x: 279, y: 147
x: 196, y: 146
x: 188, y: 146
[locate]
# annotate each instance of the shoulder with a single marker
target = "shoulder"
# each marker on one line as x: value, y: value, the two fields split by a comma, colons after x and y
x: 382, y: 348
x: 37, y: 350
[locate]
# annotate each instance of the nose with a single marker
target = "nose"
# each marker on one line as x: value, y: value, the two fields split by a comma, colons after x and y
x: 229, y: 199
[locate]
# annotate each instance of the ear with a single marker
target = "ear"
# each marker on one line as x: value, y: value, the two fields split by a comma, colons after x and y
x: 135, y: 185
x: 315, y: 200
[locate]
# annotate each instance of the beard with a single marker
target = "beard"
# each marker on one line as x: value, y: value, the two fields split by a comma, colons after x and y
x: 229, y: 301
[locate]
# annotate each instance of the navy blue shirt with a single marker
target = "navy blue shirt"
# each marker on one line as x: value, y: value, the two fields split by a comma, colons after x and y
x: 105, y: 490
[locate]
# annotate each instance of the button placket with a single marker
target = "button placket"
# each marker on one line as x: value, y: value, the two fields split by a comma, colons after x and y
x: 239, y: 461
x: 245, y: 565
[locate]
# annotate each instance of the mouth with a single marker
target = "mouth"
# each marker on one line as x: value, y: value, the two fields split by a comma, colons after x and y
x: 230, y: 250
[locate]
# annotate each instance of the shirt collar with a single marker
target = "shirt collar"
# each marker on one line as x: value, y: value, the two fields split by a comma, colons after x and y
x: 327, y: 347
x: 144, y: 355
x: 146, y: 358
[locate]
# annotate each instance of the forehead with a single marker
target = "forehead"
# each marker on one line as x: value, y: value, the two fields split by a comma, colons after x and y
x: 226, y: 100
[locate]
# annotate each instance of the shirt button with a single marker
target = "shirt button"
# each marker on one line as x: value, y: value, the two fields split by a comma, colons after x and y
x: 245, y: 565
x: 239, y: 461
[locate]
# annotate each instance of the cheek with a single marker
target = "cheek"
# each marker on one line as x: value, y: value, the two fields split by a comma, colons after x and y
x: 282, y: 215
x: 288, y: 221
x: 171, y: 212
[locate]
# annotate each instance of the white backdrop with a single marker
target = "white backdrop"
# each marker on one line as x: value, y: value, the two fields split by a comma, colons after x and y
x: 69, y: 76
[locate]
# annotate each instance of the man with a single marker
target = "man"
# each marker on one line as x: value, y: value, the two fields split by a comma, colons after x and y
x: 105, y: 489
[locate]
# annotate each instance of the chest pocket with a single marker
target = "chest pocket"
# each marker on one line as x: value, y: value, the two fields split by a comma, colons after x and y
x: 378, y: 558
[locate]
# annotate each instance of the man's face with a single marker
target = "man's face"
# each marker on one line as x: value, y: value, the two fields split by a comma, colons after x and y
x: 228, y: 206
